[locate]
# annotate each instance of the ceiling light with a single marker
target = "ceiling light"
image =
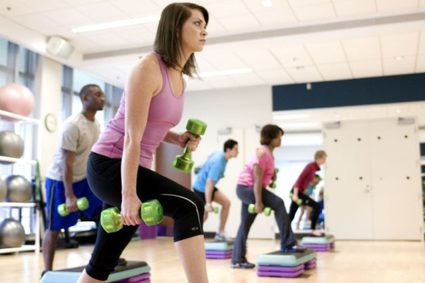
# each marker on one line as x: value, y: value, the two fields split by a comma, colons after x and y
x: 399, y: 58
x: 116, y: 24
x: 267, y: 3
x: 291, y: 116
x: 225, y: 72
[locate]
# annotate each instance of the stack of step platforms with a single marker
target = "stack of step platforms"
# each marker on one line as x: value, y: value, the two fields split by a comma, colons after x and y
x: 280, y: 264
x: 132, y: 272
x: 319, y: 244
x: 218, y: 249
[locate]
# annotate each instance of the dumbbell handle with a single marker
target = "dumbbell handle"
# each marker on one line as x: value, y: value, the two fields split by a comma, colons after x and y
x: 214, y: 209
x: 267, y: 210
x: 298, y: 202
x: 151, y: 213
x: 82, y: 204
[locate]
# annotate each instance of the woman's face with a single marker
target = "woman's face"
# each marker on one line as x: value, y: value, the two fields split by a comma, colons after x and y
x: 277, y: 141
x: 194, y: 32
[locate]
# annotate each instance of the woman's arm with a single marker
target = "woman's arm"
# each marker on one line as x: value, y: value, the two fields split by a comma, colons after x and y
x: 144, y: 82
x: 258, y: 182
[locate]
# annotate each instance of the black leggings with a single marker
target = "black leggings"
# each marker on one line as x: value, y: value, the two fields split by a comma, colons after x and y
x: 178, y: 202
x: 309, y: 202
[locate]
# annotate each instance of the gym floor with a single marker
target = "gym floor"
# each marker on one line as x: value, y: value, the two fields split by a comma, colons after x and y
x: 351, y: 262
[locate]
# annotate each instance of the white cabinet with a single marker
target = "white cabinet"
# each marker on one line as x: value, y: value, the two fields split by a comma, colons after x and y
x: 372, y: 180
x: 22, y: 166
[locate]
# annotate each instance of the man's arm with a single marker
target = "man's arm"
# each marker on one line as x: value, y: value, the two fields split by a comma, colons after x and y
x: 69, y: 159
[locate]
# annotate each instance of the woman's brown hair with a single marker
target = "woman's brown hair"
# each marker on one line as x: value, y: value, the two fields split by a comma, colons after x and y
x: 168, y: 42
x: 270, y: 132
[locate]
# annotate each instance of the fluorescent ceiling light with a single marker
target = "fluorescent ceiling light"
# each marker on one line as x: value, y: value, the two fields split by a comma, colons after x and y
x: 225, y: 72
x: 291, y: 116
x: 267, y: 3
x: 116, y: 24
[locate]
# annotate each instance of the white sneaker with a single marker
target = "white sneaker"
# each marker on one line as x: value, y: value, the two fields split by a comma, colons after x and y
x: 221, y: 237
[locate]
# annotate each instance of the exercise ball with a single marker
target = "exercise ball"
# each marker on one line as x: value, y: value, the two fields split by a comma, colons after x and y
x: 11, y: 145
x: 17, y: 99
x: 12, y: 233
x: 19, y: 189
x: 3, y: 190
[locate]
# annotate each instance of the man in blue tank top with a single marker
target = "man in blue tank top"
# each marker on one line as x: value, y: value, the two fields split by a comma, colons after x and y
x: 208, y: 176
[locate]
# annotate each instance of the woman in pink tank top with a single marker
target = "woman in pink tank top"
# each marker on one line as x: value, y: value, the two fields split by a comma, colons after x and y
x: 118, y: 169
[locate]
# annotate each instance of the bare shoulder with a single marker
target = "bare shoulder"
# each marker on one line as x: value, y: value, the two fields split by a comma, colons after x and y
x: 148, y: 63
x: 146, y: 72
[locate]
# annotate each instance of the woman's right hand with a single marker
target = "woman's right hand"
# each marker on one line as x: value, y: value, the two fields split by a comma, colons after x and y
x: 130, y: 210
x: 259, y: 207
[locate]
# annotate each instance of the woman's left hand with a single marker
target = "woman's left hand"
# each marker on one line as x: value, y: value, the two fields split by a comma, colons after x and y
x: 190, y: 140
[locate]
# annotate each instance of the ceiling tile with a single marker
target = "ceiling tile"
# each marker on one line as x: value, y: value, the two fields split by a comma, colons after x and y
x: 224, y: 59
x: 305, y: 74
x: 237, y: 24
x: 70, y: 17
x: 292, y: 55
x: 280, y: 13
x: 396, y: 5
x: 258, y: 58
x: 332, y: 72
x: 38, y: 23
x: 102, y: 12
x: 421, y: 49
x: 227, y: 9
x: 326, y: 52
x: 276, y: 76
x: 137, y: 35
x: 369, y: 46
x: 133, y: 8
x: 25, y: 7
x: 420, y: 64
x: 394, y: 67
x: 310, y: 10
x: 347, y: 8
x: 399, y: 44
x: 368, y: 68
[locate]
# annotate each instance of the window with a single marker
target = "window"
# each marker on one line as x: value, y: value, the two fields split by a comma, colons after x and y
x: 72, y: 82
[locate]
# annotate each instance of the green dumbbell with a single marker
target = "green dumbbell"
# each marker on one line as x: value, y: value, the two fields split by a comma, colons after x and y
x: 273, y: 183
x: 299, y: 201
x: 267, y: 210
x: 82, y: 204
x: 214, y: 209
x: 184, y: 161
x: 151, y: 213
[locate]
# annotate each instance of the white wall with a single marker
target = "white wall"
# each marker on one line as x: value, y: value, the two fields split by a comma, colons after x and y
x: 50, y: 102
x: 241, y: 109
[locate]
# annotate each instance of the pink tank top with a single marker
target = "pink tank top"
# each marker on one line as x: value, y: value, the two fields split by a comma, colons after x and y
x: 165, y: 112
x: 266, y: 162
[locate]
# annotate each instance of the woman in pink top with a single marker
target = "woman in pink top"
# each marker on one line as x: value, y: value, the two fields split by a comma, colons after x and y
x: 251, y: 189
x: 118, y: 170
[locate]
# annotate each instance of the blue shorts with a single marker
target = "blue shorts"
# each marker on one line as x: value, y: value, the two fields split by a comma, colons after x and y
x: 55, y: 195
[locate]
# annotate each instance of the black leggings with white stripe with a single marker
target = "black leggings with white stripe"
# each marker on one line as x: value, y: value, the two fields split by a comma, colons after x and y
x: 178, y: 202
